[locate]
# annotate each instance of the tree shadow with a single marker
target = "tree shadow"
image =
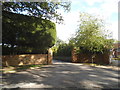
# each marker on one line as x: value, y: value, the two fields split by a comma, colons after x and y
x: 66, y: 76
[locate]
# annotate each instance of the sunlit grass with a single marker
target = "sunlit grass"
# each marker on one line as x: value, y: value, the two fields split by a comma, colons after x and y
x: 116, y: 58
x: 12, y: 69
x: 27, y: 67
x: 94, y: 64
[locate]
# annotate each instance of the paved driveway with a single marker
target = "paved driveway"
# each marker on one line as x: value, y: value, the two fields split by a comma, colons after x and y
x: 63, y: 75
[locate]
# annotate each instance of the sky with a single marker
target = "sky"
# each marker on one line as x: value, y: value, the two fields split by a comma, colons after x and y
x: 105, y: 9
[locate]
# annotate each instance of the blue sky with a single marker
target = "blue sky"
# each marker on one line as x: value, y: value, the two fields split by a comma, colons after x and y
x: 105, y: 9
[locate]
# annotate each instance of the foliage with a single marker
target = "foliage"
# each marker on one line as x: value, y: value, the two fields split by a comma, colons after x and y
x: 56, y: 46
x: 116, y: 58
x: 46, y: 10
x: 24, y: 67
x: 90, y: 37
x: 117, y: 41
x: 33, y: 33
x: 62, y: 49
x: 26, y: 34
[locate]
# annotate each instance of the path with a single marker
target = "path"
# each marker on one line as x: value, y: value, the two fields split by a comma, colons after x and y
x: 63, y: 75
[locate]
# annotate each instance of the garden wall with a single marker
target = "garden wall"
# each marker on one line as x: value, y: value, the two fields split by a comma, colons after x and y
x: 87, y: 58
x: 27, y: 59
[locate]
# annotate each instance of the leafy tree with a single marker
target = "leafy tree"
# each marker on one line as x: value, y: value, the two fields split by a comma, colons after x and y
x: 56, y: 46
x: 32, y: 32
x: 26, y: 34
x: 62, y: 49
x: 46, y: 10
x: 90, y: 36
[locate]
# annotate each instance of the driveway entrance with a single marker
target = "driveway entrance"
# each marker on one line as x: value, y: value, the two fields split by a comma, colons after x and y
x: 64, y: 75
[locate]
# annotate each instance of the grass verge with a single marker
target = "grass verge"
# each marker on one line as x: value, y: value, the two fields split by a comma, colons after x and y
x: 116, y: 58
x: 13, y: 69
x: 94, y: 64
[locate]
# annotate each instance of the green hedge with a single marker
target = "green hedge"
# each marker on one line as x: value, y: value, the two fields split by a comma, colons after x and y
x: 26, y: 34
x: 64, y: 50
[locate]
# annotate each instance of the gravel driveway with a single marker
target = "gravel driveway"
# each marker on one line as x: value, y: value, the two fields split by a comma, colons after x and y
x: 65, y: 75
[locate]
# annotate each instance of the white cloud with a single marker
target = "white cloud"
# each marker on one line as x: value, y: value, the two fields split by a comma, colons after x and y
x: 114, y: 28
x: 105, y: 11
x: 92, y: 2
x: 70, y: 25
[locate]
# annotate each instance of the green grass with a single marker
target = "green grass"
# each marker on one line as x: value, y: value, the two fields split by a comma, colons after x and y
x: 90, y: 64
x: 24, y: 67
x: 116, y: 58
x: 95, y: 64
x: 12, y: 69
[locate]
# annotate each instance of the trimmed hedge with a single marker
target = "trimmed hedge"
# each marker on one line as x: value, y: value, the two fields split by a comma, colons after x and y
x: 26, y: 34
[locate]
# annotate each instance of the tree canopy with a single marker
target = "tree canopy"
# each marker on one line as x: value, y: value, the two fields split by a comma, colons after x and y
x: 26, y: 34
x: 27, y: 26
x: 61, y: 48
x: 91, y: 36
x: 46, y: 10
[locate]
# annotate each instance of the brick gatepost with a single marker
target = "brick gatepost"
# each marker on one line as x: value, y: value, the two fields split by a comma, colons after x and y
x: 74, y: 55
x: 50, y: 56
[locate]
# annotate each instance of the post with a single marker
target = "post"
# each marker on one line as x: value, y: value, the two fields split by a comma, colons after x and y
x: 50, y: 56
x: 74, y: 55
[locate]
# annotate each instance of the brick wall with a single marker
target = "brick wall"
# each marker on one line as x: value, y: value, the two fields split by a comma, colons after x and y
x: 87, y: 58
x: 27, y: 59
x: 117, y: 46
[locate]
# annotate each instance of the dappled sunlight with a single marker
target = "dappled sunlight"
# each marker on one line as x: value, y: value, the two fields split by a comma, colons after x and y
x: 89, y: 69
x: 64, y: 72
x: 29, y: 85
x: 34, y: 85
x: 111, y: 79
x: 26, y: 59
x: 32, y: 57
x: 109, y: 67
x: 22, y: 55
x: 65, y: 75
x: 90, y: 84
x: 68, y: 72
x: 93, y: 75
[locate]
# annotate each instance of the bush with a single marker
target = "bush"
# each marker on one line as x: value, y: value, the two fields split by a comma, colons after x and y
x: 64, y: 50
x: 26, y: 34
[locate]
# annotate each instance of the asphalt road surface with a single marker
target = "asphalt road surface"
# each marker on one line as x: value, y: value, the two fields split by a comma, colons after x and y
x: 64, y: 75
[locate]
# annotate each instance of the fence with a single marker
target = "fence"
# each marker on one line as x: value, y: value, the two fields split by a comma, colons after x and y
x: 27, y: 59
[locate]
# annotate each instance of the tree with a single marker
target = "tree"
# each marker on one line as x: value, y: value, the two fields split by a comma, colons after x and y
x: 46, y: 10
x: 56, y: 46
x: 90, y: 37
x: 33, y: 32
x: 61, y: 48
x: 64, y: 49
x: 26, y: 34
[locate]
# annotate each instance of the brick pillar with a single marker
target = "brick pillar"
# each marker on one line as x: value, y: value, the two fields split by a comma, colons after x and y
x: 50, y: 56
x: 74, y: 55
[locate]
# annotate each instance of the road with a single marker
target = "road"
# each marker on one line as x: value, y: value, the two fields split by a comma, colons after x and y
x: 64, y: 75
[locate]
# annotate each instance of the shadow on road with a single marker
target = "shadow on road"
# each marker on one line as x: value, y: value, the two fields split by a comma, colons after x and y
x: 64, y: 75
